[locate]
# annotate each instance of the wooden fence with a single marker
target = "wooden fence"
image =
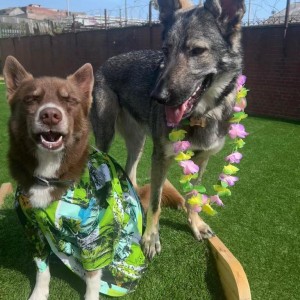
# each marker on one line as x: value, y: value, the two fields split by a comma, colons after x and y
x: 271, y: 59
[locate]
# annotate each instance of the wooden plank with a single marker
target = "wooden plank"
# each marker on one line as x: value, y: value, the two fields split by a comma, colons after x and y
x: 6, y: 189
x: 232, y: 275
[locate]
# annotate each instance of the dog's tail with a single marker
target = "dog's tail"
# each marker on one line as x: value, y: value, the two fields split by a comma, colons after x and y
x: 170, y: 196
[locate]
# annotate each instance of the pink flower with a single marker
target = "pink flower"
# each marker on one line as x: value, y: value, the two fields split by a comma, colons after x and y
x: 189, y: 167
x: 240, y: 106
x: 204, y: 199
x: 241, y: 81
x: 193, y: 193
x: 234, y: 157
x: 237, y: 130
x: 216, y: 199
x: 181, y: 146
x: 230, y: 180
x: 197, y: 208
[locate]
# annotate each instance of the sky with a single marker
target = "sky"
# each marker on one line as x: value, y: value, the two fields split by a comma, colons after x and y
x: 139, y: 8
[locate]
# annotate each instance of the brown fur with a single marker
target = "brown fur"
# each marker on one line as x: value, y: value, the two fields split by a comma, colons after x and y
x: 25, y: 95
x: 185, y: 4
x: 170, y: 196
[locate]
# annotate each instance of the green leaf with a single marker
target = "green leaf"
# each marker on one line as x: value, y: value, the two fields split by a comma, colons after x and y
x: 239, y: 143
x: 187, y: 187
x: 238, y: 117
x: 222, y: 191
x: 200, y: 188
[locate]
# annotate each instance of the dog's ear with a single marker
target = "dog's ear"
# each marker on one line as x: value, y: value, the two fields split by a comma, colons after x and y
x: 167, y: 9
x: 84, y: 79
x: 226, y: 11
x: 14, y: 74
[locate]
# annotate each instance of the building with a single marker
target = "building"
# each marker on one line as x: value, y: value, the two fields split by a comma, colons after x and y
x: 34, y: 12
x: 279, y: 17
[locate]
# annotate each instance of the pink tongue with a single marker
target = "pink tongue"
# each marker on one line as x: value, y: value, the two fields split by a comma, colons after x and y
x: 174, y: 114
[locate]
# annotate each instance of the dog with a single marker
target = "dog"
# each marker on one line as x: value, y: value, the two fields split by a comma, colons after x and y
x: 148, y: 92
x: 78, y: 204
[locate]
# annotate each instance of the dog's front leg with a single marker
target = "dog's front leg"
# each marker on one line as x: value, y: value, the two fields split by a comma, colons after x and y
x: 199, y: 228
x: 159, y: 167
x: 41, y: 288
x: 92, y: 279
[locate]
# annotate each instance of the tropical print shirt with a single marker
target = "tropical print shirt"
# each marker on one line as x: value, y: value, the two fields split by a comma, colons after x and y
x: 97, y: 224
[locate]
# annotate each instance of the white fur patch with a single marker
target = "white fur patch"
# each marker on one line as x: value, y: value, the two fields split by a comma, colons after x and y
x: 49, y: 163
x: 40, y: 196
x: 93, y: 285
x: 41, y: 288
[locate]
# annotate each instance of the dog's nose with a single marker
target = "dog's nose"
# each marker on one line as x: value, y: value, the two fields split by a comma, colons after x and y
x: 50, y: 116
x: 161, y: 96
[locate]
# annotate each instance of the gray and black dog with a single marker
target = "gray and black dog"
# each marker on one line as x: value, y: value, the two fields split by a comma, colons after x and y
x: 148, y: 92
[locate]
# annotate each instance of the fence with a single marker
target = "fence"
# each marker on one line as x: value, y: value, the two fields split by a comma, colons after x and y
x: 131, y: 16
x: 16, y: 26
x: 271, y: 59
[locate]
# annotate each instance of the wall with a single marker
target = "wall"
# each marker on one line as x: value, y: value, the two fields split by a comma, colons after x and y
x: 62, y: 54
x: 271, y: 62
x: 272, y: 65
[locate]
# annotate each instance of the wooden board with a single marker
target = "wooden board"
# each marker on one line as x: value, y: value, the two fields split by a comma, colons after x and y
x: 232, y: 275
x: 6, y: 189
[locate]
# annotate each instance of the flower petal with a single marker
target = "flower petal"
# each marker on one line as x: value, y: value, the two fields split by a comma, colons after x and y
x: 189, y: 167
x: 177, y: 135
x: 234, y: 157
x: 181, y: 146
x: 216, y: 199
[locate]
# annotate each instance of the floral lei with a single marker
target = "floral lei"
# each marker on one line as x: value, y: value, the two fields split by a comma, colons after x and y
x: 196, y: 194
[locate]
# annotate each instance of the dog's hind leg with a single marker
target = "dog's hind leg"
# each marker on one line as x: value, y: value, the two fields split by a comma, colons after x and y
x: 103, y: 115
x: 134, y: 137
x: 160, y: 165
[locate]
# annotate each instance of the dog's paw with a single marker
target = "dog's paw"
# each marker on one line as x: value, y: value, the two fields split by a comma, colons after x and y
x: 200, y: 229
x: 91, y: 297
x: 39, y: 294
x: 151, y: 244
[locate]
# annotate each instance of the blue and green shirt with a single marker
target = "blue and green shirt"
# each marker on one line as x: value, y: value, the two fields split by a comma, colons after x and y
x: 97, y: 224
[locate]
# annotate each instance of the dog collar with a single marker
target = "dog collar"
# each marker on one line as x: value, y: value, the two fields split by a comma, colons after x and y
x: 52, y: 182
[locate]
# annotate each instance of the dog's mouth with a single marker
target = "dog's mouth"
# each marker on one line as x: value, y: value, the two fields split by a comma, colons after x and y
x: 51, y: 140
x: 174, y: 114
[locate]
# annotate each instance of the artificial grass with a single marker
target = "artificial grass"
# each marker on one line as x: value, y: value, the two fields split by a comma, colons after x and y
x: 259, y: 224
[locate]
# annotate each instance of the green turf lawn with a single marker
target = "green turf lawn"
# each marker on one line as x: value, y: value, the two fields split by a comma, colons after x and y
x: 259, y: 224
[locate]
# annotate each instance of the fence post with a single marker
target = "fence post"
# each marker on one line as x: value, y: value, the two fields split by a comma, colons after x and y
x: 287, y: 14
x: 105, y: 18
x: 150, y: 13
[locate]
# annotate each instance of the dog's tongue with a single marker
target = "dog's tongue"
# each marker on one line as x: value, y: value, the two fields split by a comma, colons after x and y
x: 174, y: 114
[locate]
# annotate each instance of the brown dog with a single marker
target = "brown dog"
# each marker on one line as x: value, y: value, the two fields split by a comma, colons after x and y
x: 73, y: 203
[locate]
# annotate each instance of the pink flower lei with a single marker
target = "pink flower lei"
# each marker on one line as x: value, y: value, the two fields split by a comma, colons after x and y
x: 196, y: 195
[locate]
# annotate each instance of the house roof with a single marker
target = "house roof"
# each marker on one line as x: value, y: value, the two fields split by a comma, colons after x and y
x: 294, y: 10
x: 11, y: 10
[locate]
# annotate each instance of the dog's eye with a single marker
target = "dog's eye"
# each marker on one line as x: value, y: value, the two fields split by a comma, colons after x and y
x: 165, y: 51
x: 31, y: 98
x: 71, y: 100
x: 197, y: 51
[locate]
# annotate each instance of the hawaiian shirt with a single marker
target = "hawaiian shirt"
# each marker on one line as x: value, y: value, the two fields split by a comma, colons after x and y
x: 97, y: 224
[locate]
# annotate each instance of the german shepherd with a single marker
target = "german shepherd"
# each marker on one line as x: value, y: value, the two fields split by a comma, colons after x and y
x: 149, y: 92
x: 71, y: 203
